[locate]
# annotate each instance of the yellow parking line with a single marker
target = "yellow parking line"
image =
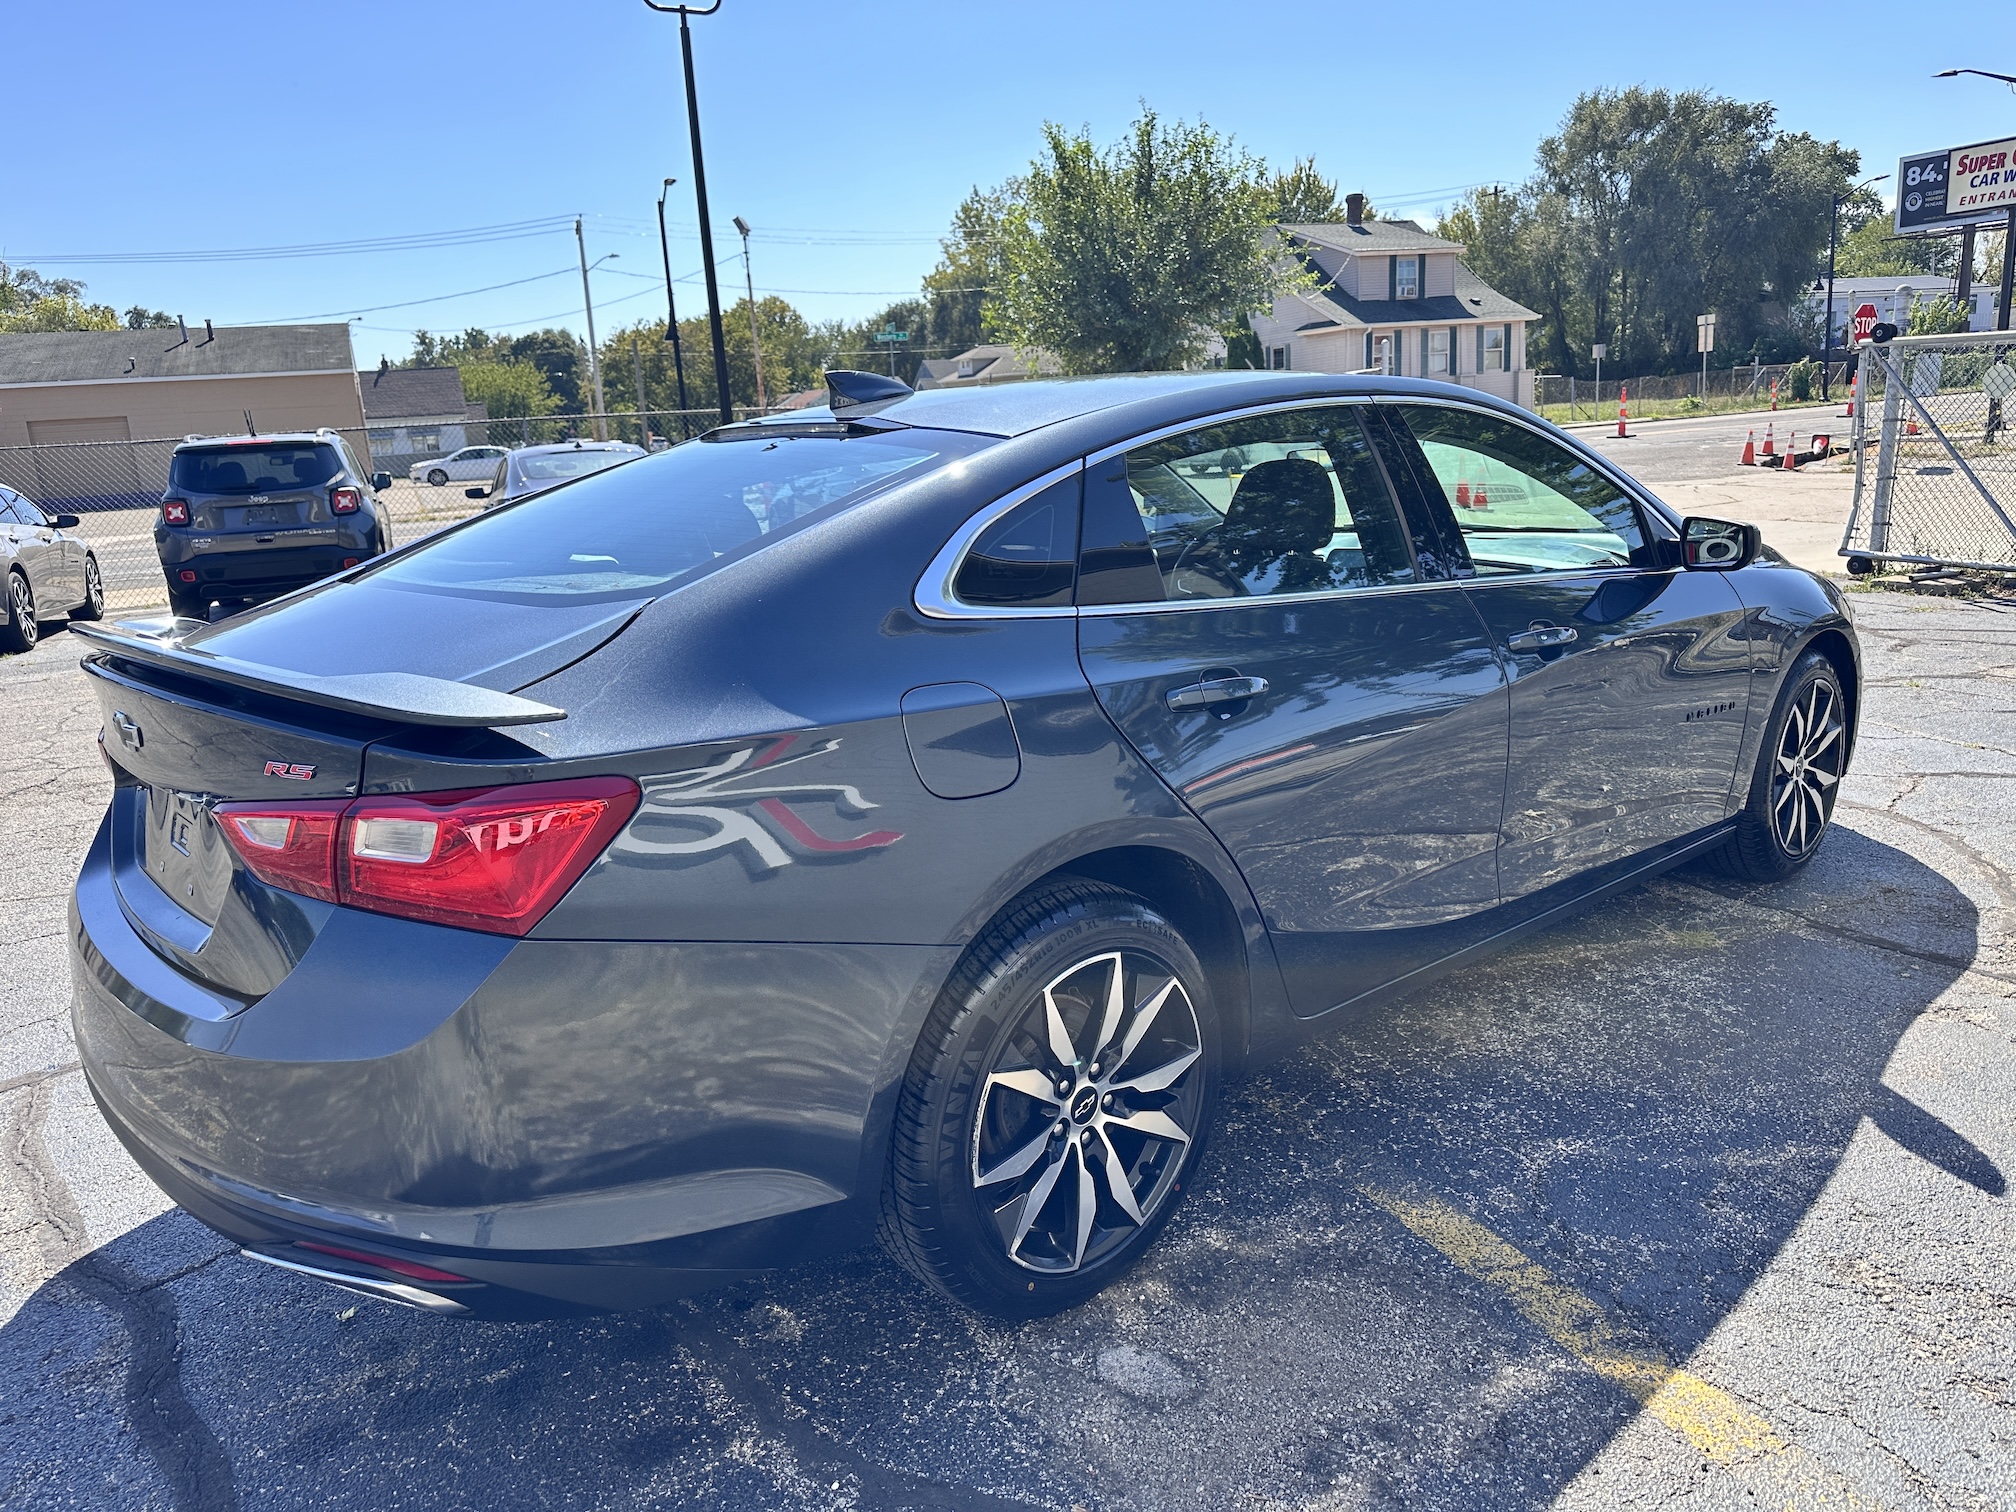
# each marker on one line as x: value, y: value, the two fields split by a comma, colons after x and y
x: 1718, y: 1426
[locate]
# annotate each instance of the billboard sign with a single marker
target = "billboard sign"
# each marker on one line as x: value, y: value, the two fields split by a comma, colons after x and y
x: 1941, y: 189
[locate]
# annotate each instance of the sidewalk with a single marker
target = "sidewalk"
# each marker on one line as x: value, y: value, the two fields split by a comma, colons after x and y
x: 1802, y: 514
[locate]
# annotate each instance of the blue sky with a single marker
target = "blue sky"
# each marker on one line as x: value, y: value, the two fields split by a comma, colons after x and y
x: 845, y: 134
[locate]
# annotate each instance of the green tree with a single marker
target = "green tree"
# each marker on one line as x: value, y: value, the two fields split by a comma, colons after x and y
x: 559, y: 357
x: 1648, y: 208
x: 1303, y: 197
x: 508, y: 389
x: 1128, y: 259
x: 140, y: 318
x: 1941, y: 316
x: 30, y: 302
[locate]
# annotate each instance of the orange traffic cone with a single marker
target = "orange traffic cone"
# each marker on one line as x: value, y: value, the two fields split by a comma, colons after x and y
x: 1774, y: 393
x: 1750, y: 450
x: 1462, y: 494
x: 1477, y: 497
x: 1910, y: 427
x: 1854, y: 382
x: 1792, y: 453
x: 1770, y: 443
x: 1623, y: 412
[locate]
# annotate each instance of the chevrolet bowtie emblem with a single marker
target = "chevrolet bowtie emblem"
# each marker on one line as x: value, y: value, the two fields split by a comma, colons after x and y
x: 129, y: 730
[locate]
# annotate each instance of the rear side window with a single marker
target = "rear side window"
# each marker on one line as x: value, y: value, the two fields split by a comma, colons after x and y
x: 550, y: 466
x: 1028, y: 557
x: 642, y: 527
x: 253, y: 469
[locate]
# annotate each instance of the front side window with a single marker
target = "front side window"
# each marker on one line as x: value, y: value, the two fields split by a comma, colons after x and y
x: 643, y: 528
x: 1523, y: 503
x: 1406, y: 278
x: 28, y: 511
x: 260, y: 467
x: 1273, y: 504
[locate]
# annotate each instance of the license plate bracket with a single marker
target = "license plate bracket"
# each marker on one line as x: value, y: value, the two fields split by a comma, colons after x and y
x: 185, y: 854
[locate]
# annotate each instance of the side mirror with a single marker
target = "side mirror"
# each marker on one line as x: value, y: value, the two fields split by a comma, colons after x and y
x: 475, y: 493
x: 1718, y: 545
x: 67, y: 522
x: 381, y: 480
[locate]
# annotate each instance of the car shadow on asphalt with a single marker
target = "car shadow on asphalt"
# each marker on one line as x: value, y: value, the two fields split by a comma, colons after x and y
x: 1643, y: 1102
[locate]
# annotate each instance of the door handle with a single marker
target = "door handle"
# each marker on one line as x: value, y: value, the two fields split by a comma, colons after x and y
x: 1219, y: 690
x: 1541, y: 638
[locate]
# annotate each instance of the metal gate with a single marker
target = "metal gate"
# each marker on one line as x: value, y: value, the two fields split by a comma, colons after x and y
x: 1935, y: 453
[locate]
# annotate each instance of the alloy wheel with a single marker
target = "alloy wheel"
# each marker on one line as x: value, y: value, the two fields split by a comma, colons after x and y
x: 1079, y: 1141
x: 22, y: 605
x: 94, y: 587
x: 1811, y: 754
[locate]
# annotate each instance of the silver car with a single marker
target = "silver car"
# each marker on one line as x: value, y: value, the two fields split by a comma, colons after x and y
x: 464, y: 466
x: 45, y: 570
x: 534, y: 469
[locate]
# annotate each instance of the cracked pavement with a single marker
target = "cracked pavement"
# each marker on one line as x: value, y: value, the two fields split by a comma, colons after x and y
x: 1758, y: 1136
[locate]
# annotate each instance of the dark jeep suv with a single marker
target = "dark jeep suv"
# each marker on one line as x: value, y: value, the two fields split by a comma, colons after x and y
x: 250, y: 517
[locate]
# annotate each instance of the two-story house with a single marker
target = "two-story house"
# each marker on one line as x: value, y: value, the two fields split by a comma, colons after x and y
x: 1391, y: 297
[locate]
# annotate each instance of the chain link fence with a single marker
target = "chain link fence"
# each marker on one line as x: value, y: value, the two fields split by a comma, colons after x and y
x: 115, y: 487
x: 1935, y: 459
x: 1565, y: 399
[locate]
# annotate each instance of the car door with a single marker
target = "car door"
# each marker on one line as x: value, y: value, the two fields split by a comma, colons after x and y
x: 1629, y: 675
x: 39, y: 551
x: 470, y: 462
x: 1254, y: 619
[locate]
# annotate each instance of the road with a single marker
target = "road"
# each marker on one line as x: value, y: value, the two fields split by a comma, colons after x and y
x: 1701, y: 1198
x: 1675, y: 451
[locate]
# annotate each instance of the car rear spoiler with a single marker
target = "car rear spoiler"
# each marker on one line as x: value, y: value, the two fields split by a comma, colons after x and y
x: 404, y: 697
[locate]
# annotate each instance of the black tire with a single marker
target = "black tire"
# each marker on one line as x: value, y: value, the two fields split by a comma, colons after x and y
x: 19, y: 630
x: 1800, y: 764
x: 437, y: 477
x: 93, y: 607
x: 949, y: 1212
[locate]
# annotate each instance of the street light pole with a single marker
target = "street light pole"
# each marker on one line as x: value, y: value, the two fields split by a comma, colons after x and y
x: 1827, y: 323
x: 749, y: 281
x: 721, y: 389
x: 588, y: 304
x: 671, y: 313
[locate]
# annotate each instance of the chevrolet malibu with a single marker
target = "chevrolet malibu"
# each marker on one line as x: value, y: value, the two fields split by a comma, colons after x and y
x: 903, y: 816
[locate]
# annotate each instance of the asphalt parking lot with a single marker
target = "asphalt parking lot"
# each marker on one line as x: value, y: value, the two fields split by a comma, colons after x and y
x: 1699, y: 1200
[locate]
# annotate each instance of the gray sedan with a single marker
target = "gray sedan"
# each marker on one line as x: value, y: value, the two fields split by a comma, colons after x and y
x: 534, y: 469
x: 44, y: 571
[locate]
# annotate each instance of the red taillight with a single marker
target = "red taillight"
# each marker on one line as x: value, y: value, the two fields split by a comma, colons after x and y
x: 495, y: 859
x: 186, y: 575
x: 291, y: 846
x: 349, y: 561
x: 408, y: 1268
x: 175, y: 511
x: 344, y: 500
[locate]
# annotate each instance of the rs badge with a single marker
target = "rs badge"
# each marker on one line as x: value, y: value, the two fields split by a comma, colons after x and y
x: 294, y: 771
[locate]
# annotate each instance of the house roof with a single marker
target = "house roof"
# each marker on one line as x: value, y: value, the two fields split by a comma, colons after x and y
x: 991, y: 362
x: 1474, y: 302
x: 1376, y: 237
x: 407, y: 393
x: 238, y: 351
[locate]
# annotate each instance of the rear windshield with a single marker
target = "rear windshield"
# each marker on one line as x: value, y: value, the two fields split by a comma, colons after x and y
x: 636, y: 529
x: 253, y: 469
x: 570, y: 464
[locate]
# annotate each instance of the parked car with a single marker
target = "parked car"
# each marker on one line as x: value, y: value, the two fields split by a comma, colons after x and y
x: 457, y: 467
x: 46, y: 569
x: 906, y: 816
x: 246, y: 518
x: 534, y: 469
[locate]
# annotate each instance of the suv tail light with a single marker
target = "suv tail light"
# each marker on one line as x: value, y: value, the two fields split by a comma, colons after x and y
x: 175, y: 511
x: 344, y: 500
x: 494, y: 859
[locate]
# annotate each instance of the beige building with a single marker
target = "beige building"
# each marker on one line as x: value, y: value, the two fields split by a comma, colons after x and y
x: 78, y: 408
x: 1391, y: 297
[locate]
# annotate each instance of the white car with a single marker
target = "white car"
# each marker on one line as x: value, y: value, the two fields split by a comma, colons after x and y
x: 534, y: 469
x: 458, y: 467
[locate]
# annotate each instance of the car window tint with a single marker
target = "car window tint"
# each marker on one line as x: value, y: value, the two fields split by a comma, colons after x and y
x: 250, y: 469
x: 644, y: 527
x: 571, y: 464
x: 1523, y: 503
x: 1028, y: 557
x: 7, y: 516
x: 28, y: 511
x: 1272, y: 504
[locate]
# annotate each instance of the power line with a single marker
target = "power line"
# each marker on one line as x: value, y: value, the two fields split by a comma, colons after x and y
x: 404, y: 303
x: 416, y: 241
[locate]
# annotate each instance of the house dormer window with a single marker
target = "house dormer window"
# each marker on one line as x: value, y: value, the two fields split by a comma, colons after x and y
x: 1406, y: 278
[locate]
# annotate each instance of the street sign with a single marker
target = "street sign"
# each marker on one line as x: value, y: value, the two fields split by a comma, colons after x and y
x: 1949, y: 189
x: 1599, y: 351
x: 890, y: 333
x: 1861, y: 323
x: 1704, y: 333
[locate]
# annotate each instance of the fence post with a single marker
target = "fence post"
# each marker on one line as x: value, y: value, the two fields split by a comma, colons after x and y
x: 1886, y: 451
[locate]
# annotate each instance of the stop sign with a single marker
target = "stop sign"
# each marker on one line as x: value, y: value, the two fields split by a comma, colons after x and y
x: 1863, y: 323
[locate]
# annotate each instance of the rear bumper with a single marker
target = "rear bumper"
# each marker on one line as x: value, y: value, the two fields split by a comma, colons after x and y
x: 571, y: 1125
x: 270, y: 570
